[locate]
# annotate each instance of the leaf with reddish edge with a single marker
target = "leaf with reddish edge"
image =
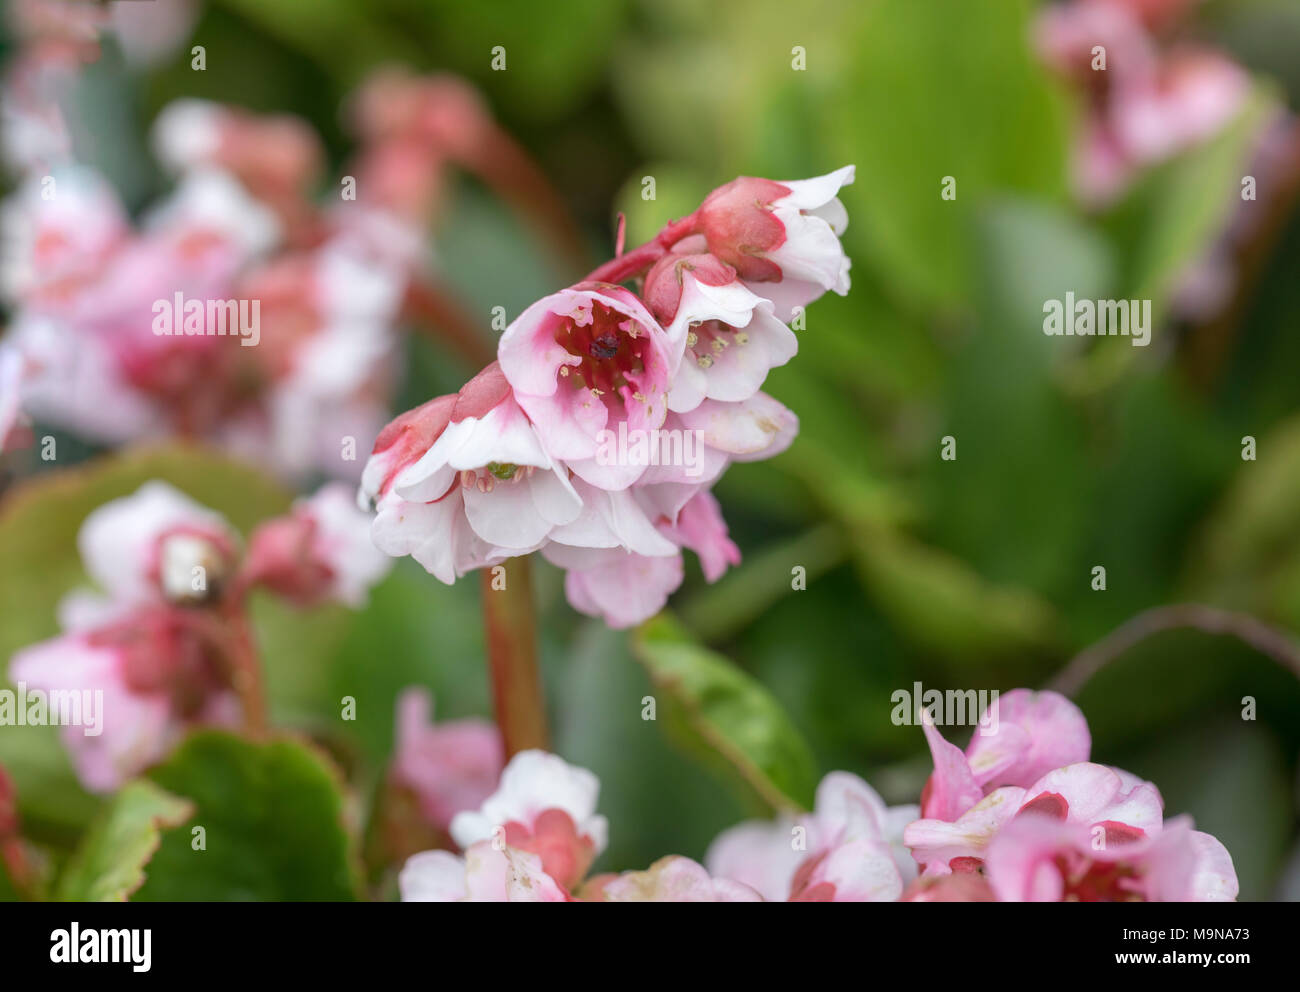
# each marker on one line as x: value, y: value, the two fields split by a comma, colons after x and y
x: 109, y: 865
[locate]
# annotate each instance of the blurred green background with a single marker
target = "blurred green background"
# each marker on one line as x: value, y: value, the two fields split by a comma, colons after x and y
x: 972, y: 573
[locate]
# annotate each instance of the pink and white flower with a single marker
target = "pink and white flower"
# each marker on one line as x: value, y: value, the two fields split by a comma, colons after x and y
x: 543, y: 806
x: 847, y: 850
x: 1043, y: 859
x: 514, y: 493
x: 464, y: 481
x: 1111, y: 804
x: 617, y: 586
x: 157, y: 544
x: 670, y: 879
x: 1034, y: 733
x: 485, y: 874
x: 733, y: 339
x: 782, y: 238
x: 625, y: 587
x: 585, y: 360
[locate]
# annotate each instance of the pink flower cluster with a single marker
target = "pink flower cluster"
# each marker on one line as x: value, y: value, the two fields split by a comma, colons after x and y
x: 125, y: 330
x: 1152, y: 99
x: 1020, y: 815
x: 599, y: 431
x: 205, y: 320
x: 162, y: 641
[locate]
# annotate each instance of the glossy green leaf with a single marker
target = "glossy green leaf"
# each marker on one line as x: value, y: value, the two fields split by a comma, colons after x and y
x: 272, y: 825
x: 722, y: 712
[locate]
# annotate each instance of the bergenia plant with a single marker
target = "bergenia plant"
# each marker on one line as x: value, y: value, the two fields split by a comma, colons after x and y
x: 612, y: 409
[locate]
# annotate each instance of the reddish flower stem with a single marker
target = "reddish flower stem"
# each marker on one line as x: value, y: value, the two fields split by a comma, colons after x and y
x: 13, y: 855
x: 1269, y: 641
x: 246, y: 673
x: 510, y: 627
x: 639, y: 259
x: 230, y: 635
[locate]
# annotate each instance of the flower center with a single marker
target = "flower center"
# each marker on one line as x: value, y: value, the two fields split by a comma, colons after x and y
x: 486, y: 479
x: 1097, y: 881
x: 707, y: 340
x: 613, y: 351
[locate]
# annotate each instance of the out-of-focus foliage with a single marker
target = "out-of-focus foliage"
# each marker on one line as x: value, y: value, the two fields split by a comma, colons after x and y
x: 972, y: 573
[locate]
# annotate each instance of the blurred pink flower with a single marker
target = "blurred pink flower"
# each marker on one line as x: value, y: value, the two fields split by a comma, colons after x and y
x: 12, y: 374
x: 320, y: 551
x: 484, y: 874
x: 278, y: 158
x: 148, y: 546
x: 670, y: 879
x: 137, y: 639
x: 451, y: 766
x: 1039, y: 858
x: 155, y: 676
x: 1150, y: 102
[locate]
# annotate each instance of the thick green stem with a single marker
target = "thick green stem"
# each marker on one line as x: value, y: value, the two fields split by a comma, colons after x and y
x: 511, y: 634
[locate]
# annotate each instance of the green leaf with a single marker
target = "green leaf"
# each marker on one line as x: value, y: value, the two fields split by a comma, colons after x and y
x: 551, y: 61
x: 939, y: 603
x: 414, y: 632
x: 109, y: 865
x: 341, y: 34
x: 1248, y: 553
x: 750, y: 589
x: 272, y: 815
x: 1014, y: 504
x: 723, y: 713
x: 936, y: 89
